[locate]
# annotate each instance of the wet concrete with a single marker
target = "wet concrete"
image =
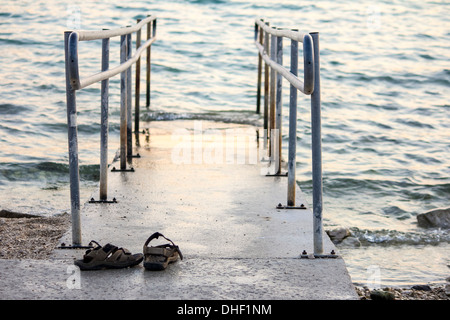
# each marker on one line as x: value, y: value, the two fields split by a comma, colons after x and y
x: 222, y: 214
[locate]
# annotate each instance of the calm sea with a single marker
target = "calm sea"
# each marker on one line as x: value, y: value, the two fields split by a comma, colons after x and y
x: 385, y: 108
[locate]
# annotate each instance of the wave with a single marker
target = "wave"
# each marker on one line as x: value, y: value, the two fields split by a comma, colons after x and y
x: 394, y: 237
x: 405, y: 79
x: 52, y: 173
x: 12, y: 109
x: 231, y: 116
x: 207, y: 1
x: 23, y: 42
x: 342, y: 183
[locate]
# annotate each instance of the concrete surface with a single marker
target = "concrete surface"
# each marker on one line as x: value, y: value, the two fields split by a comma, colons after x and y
x: 223, y: 216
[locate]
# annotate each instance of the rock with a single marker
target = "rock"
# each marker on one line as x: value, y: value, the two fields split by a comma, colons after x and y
x: 447, y: 289
x: 11, y: 214
x: 421, y: 287
x: 437, y: 218
x: 443, y: 295
x: 338, y: 234
x: 351, y: 242
x: 440, y: 292
x: 407, y: 292
x: 382, y: 295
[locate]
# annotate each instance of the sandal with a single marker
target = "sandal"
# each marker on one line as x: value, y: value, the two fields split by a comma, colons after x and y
x: 158, y: 257
x: 108, y: 257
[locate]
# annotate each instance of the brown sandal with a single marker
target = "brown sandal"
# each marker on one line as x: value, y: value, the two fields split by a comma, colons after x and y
x: 108, y: 257
x: 158, y: 257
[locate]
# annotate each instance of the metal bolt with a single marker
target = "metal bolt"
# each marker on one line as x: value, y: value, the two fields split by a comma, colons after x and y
x: 332, y: 252
x: 304, y: 252
x: 279, y: 206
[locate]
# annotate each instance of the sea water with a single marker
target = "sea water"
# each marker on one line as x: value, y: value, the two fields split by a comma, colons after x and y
x: 385, y: 79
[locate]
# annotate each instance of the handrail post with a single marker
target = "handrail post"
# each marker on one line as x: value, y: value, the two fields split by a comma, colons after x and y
x: 308, y: 64
x: 258, y: 90
x: 273, y: 55
x: 266, y: 91
x: 154, y: 28
x: 278, y: 119
x: 292, y: 127
x: 123, y: 105
x: 149, y: 53
x: 129, y: 99
x: 316, y: 150
x: 104, y: 123
x: 73, y: 147
x: 137, y: 85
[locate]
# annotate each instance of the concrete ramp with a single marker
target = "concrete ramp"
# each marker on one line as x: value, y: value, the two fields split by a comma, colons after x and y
x: 221, y: 213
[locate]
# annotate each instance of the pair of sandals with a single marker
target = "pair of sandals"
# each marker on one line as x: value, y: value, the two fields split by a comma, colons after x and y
x: 113, y: 257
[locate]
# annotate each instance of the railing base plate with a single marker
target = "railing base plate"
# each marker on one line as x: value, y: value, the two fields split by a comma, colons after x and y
x: 284, y: 174
x: 319, y: 256
x: 122, y: 170
x: 103, y: 201
x: 134, y: 156
x: 64, y: 246
x: 301, y: 207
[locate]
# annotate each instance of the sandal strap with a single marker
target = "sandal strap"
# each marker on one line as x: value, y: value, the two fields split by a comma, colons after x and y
x: 100, y: 253
x: 157, y: 249
x: 156, y: 235
x: 119, y: 254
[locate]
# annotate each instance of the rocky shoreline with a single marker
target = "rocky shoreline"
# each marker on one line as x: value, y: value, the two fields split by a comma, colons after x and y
x: 421, y: 292
x: 438, y: 218
x: 24, y: 236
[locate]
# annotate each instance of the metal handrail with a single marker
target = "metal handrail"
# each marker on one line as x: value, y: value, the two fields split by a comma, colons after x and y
x: 310, y: 85
x: 291, y: 34
x: 307, y: 87
x: 76, y: 36
x: 78, y: 83
x: 85, y: 35
x: 74, y: 83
